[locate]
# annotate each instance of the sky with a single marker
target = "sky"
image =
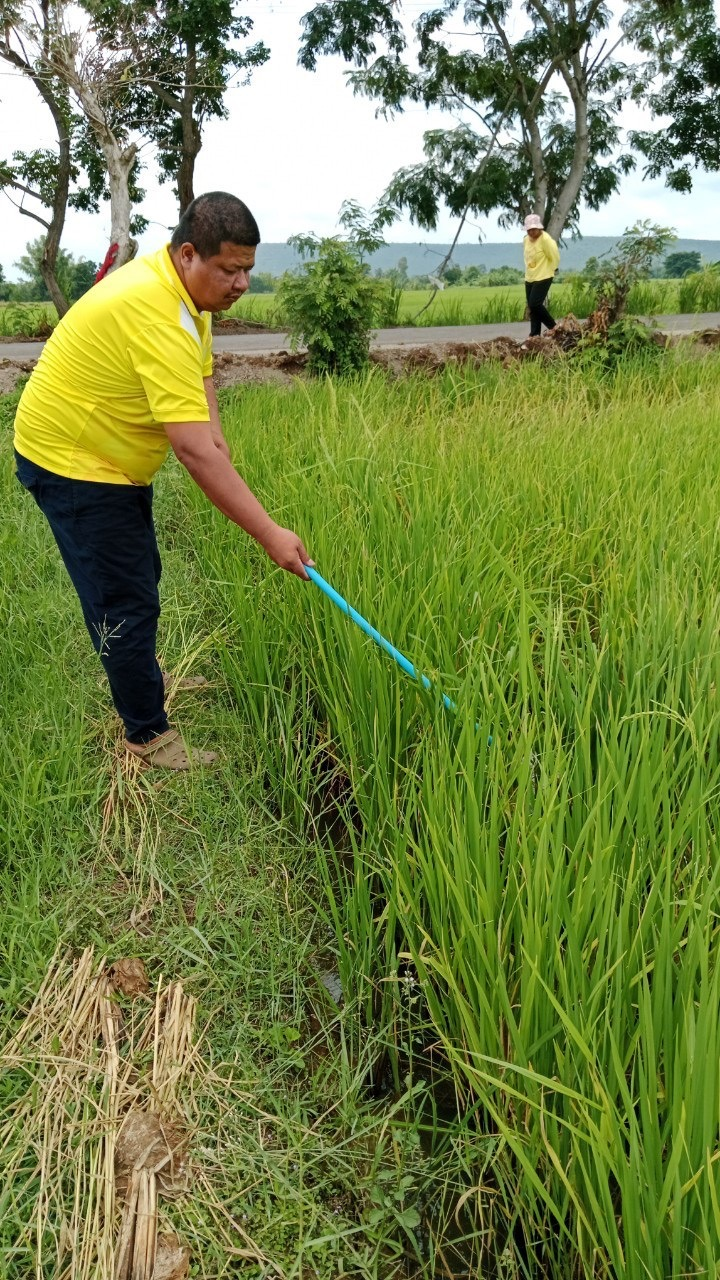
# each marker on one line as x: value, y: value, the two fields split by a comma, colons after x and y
x: 295, y: 145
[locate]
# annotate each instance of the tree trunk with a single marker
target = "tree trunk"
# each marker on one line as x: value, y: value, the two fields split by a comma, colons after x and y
x: 119, y: 159
x: 57, y: 221
x: 191, y: 145
x: 191, y: 136
x: 54, y: 228
x: 574, y: 180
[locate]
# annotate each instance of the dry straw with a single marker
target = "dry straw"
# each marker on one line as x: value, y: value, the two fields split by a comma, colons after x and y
x: 100, y: 1137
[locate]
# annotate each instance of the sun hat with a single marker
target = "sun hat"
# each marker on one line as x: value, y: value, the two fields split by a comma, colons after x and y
x: 534, y: 223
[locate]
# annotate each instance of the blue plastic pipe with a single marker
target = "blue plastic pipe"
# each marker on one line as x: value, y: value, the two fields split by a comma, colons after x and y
x: 365, y: 626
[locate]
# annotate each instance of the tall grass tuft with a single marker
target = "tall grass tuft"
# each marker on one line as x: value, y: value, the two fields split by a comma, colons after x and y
x: 700, y: 291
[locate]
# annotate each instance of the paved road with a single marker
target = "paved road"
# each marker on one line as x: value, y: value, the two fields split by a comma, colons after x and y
x: 270, y: 343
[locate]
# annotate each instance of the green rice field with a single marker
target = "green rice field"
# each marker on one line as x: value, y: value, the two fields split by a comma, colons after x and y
x: 519, y: 899
x: 452, y: 306
x: 504, y: 304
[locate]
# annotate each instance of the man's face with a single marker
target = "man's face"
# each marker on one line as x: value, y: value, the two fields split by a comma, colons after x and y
x: 215, y: 283
x: 535, y: 233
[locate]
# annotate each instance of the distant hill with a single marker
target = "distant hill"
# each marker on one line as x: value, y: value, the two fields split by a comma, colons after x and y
x: 423, y: 257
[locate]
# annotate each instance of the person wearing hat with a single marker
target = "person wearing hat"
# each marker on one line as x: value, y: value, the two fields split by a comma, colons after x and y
x: 542, y: 259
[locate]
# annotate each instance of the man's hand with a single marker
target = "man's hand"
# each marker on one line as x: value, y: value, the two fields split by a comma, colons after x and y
x: 285, y: 548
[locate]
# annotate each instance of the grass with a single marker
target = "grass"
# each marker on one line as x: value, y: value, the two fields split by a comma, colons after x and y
x: 201, y: 878
x: 525, y: 892
x: 502, y: 304
x: 21, y: 319
x: 542, y: 886
x: 505, y: 304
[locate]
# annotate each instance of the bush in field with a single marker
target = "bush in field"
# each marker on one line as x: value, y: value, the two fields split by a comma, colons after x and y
x: 331, y: 305
x: 615, y: 277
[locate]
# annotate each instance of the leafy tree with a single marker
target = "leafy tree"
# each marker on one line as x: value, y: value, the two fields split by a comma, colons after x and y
x: 680, y: 81
x: 592, y: 268
x: 75, y: 275
x: 682, y: 263
x: 399, y: 274
x: 41, y: 176
x: 543, y: 100
x: 475, y: 274
x: 505, y: 275
x: 262, y: 282
x: 5, y: 287
x: 69, y: 66
x: 176, y: 59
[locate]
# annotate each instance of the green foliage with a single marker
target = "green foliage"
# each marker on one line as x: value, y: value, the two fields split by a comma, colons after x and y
x: 700, y: 291
x: 680, y: 81
x: 330, y: 305
x: 626, y: 340
x: 228, y: 897
x: 502, y: 276
x: 631, y: 261
x: 18, y: 319
x: 550, y: 898
x: 262, y: 282
x: 175, y: 59
x: 37, y: 170
x: 680, y: 264
x: 365, y: 227
x: 74, y: 275
x: 540, y: 79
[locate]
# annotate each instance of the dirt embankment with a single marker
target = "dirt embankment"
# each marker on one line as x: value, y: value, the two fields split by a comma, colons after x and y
x: 282, y: 368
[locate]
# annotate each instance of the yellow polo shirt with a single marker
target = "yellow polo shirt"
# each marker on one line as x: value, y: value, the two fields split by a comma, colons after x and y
x: 130, y: 355
x: 542, y: 258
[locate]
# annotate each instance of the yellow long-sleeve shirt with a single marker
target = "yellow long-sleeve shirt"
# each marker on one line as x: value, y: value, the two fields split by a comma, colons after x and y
x: 542, y: 258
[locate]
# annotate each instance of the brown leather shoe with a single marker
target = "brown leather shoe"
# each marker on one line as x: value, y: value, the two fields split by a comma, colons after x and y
x: 168, y: 751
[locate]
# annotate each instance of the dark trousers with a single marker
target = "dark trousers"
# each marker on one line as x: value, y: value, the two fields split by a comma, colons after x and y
x: 106, y: 538
x: 536, y: 293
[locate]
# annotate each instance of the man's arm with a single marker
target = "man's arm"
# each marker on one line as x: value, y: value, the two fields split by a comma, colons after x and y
x: 215, y: 425
x: 210, y: 467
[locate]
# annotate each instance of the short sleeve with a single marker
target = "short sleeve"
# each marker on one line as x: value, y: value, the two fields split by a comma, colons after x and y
x: 170, y: 364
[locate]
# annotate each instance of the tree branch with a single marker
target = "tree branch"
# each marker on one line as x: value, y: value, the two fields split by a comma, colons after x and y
x: 463, y: 218
x: 27, y: 212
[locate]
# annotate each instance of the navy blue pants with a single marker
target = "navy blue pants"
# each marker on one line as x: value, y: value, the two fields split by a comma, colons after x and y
x: 536, y: 292
x: 106, y: 537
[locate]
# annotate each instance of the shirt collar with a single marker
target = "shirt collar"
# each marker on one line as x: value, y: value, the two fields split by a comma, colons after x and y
x: 166, y: 267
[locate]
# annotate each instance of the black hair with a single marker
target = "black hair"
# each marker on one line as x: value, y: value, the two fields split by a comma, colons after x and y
x: 212, y: 219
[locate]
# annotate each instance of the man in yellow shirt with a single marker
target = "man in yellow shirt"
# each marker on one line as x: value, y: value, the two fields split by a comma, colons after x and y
x: 126, y: 375
x: 542, y: 259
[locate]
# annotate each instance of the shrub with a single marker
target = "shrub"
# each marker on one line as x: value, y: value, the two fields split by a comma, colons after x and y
x: 330, y: 305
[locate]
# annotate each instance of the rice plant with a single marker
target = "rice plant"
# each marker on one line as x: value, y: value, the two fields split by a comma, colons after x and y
x: 538, y: 871
x: 700, y: 291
